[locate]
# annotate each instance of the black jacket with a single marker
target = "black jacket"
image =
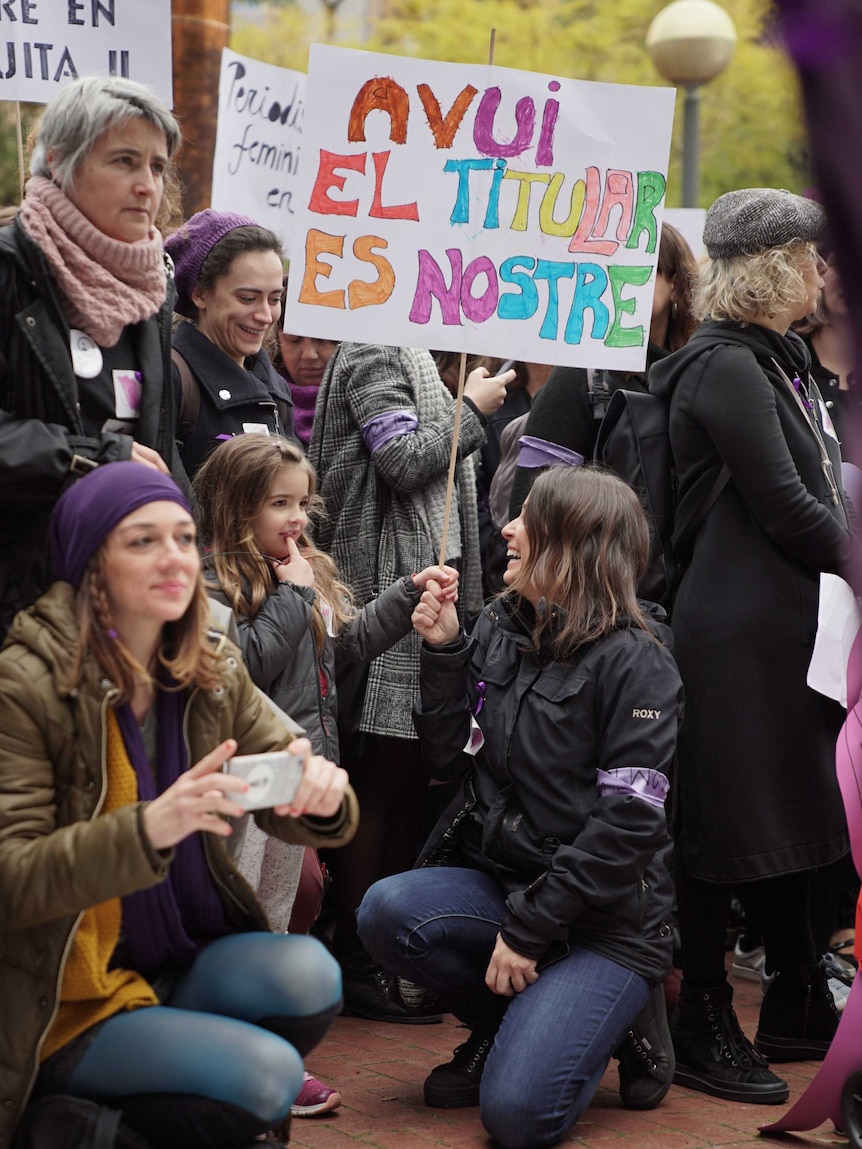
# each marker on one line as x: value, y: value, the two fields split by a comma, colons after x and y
x: 233, y: 399
x: 756, y: 793
x: 558, y: 819
x: 562, y: 413
x: 278, y: 648
x: 43, y: 447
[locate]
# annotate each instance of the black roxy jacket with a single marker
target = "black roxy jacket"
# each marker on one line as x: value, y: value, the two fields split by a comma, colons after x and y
x: 566, y: 798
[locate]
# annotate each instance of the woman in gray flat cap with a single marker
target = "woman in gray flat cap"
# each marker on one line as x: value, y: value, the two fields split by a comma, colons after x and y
x: 756, y: 799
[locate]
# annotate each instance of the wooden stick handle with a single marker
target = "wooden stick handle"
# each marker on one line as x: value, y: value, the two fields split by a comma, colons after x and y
x: 19, y: 132
x: 453, y: 456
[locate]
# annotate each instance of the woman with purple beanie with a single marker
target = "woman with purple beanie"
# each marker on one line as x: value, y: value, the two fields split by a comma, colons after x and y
x: 138, y: 970
x: 228, y: 274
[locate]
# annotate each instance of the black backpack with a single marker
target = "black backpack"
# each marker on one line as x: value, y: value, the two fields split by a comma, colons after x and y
x: 634, y: 440
x: 60, y: 1121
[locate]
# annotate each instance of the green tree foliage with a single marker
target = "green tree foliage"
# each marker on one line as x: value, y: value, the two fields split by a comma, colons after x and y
x: 752, y: 131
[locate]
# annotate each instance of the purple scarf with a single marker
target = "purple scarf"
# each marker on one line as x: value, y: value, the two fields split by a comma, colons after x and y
x: 168, y: 924
x: 304, y: 402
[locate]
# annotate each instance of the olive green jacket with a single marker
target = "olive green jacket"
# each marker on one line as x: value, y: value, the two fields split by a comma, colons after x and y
x: 57, y: 858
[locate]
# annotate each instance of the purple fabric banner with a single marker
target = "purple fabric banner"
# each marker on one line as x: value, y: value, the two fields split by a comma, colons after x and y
x: 821, y: 1101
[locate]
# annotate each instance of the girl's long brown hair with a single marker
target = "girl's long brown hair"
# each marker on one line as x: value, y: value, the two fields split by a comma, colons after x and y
x: 231, y: 489
x: 588, y: 546
x: 185, y: 652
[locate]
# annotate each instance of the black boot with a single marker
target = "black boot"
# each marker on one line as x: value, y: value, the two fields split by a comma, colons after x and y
x: 798, y: 1017
x: 714, y: 1055
x: 371, y: 991
x: 646, y: 1056
x: 455, y: 1085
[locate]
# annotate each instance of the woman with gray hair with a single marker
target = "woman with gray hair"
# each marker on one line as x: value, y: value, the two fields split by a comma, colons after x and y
x: 85, y: 314
x: 757, y: 802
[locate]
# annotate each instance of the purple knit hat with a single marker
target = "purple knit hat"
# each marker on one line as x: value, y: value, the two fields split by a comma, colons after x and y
x: 190, y: 246
x: 87, y: 511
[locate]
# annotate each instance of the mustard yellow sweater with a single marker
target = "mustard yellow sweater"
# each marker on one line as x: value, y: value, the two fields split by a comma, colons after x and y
x: 89, y: 991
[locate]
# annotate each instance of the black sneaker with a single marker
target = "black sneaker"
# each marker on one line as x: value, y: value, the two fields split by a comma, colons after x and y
x: 714, y: 1055
x: 798, y: 1017
x: 455, y: 1085
x: 375, y: 995
x: 646, y: 1057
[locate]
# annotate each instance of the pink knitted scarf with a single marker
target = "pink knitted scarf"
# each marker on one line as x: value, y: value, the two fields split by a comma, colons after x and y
x: 105, y: 283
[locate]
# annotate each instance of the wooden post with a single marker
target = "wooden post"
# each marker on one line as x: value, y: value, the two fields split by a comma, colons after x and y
x: 19, y: 135
x: 200, y: 30
x: 459, y: 406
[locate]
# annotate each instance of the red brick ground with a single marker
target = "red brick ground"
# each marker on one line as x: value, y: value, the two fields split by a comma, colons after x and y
x: 379, y: 1069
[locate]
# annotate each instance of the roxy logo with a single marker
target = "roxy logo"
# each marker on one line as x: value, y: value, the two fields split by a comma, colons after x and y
x: 646, y: 714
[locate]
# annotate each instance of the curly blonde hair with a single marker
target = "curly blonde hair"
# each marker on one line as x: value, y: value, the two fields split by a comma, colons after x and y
x: 744, y: 288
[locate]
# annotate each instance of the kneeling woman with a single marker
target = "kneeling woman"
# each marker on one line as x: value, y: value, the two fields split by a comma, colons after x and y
x: 548, y: 930
x: 137, y: 966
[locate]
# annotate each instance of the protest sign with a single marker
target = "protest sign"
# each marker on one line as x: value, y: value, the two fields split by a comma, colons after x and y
x: 257, y: 142
x: 46, y: 43
x: 476, y: 208
x: 689, y: 222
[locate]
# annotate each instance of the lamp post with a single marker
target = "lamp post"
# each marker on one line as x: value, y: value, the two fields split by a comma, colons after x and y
x: 691, y: 42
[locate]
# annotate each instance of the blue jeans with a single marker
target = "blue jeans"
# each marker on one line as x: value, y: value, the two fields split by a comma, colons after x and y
x: 438, y: 928
x: 232, y: 1031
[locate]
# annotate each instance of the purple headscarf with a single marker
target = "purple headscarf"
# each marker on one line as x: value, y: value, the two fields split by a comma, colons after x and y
x: 88, y: 511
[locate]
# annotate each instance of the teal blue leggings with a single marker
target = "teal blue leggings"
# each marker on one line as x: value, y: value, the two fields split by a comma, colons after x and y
x: 233, y: 1030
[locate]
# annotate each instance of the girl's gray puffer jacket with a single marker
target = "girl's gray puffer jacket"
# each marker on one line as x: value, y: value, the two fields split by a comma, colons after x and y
x: 278, y: 648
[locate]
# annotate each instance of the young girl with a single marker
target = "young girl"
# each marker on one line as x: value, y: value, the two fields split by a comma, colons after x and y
x: 254, y: 496
x: 545, y: 930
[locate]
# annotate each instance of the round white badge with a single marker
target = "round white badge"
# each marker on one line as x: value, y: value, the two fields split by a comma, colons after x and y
x: 224, y: 393
x: 86, y: 355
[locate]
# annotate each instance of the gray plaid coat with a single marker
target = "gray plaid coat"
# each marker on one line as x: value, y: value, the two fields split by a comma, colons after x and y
x: 379, y: 507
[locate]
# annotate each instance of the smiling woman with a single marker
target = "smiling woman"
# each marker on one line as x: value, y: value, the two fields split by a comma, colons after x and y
x: 159, y: 988
x: 229, y: 288
x: 85, y: 309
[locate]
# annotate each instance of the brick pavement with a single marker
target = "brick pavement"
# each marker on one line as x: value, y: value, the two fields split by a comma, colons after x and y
x: 379, y: 1069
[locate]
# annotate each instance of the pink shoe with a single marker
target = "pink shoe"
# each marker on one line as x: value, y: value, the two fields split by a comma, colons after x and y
x: 314, y: 1098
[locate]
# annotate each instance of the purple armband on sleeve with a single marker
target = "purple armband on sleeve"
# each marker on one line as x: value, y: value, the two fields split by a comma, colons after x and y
x: 650, y: 785
x: 540, y: 453
x: 378, y: 431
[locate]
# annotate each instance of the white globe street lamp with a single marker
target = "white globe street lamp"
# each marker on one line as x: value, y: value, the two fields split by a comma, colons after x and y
x: 691, y: 42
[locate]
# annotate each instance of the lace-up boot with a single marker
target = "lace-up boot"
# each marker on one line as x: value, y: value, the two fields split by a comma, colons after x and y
x: 714, y: 1055
x: 455, y: 1085
x: 798, y: 1017
x: 646, y: 1056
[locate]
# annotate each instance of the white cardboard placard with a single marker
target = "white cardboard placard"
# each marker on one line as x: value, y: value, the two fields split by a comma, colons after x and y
x: 46, y: 43
x: 256, y: 161
x: 476, y: 208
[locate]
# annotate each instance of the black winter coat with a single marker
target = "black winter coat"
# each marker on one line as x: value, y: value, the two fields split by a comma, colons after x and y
x: 278, y: 649
x: 233, y: 399
x: 569, y: 786
x: 562, y: 413
x: 756, y: 791
x: 43, y: 447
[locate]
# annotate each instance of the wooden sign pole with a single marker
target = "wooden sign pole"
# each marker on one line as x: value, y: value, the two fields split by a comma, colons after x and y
x: 22, y: 179
x: 459, y: 405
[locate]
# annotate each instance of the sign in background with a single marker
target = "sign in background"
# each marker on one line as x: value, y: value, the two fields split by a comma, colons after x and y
x: 256, y: 162
x: 474, y: 208
x: 689, y: 222
x: 46, y: 43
